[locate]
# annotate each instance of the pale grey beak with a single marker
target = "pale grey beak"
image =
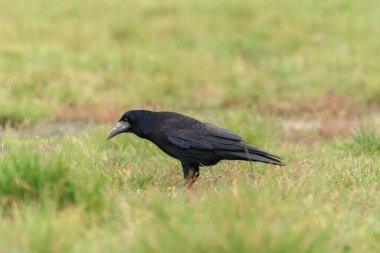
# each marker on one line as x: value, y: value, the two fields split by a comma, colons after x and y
x: 120, y: 127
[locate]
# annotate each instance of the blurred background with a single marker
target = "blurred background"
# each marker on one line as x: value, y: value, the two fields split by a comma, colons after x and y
x: 292, y: 77
x: 91, y: 60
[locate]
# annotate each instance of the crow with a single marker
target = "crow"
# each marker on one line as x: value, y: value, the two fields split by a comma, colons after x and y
x: 193, y: 143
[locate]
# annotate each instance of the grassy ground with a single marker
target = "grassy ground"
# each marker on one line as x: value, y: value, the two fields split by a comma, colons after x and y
x: 292, y: 77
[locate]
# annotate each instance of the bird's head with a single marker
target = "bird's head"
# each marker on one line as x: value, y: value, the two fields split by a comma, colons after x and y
x: 134, y: 121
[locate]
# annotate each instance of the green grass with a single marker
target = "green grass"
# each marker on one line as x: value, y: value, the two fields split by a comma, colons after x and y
x: 94, y: 196
x: 275, y: 72
x: 168, y: 54
x: 364, y: 140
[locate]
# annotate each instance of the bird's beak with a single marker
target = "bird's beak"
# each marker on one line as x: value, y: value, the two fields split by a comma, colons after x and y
x: 120, y: 127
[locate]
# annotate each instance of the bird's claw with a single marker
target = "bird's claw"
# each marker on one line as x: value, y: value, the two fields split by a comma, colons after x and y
x: 193, y: 176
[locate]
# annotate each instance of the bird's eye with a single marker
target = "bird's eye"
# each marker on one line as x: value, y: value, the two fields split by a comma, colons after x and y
x: 123, y: 118
x: 130, y: 118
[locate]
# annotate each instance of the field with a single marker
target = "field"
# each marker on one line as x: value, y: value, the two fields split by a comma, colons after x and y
x: 298, y: 78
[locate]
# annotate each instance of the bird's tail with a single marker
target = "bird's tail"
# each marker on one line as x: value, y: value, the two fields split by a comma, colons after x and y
x: 258, y: 156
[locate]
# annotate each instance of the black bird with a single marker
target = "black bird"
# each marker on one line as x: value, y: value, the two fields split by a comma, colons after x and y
x: 192, y: 142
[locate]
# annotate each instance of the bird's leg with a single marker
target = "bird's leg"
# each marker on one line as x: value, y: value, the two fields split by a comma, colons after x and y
x: 192, y: 177
x: 191, y: 174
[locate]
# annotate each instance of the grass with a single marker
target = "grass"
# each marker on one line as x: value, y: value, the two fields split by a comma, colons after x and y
x: 92, y: 196
x: 146, y: 53
x: 364, y: 140
x: 290, y: 77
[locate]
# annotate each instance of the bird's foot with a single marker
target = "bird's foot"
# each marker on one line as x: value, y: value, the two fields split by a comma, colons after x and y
x: 192, y: 177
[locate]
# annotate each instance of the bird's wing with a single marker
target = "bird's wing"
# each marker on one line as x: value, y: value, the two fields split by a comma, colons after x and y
x: 221, y: 132
x: 190, y: 133
x: 229, y: 141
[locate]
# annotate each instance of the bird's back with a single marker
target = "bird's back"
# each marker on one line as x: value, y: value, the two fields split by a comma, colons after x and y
x: 193, y: 141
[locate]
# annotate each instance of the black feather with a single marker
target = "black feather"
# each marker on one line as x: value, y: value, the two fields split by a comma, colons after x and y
x: 192, y: 142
